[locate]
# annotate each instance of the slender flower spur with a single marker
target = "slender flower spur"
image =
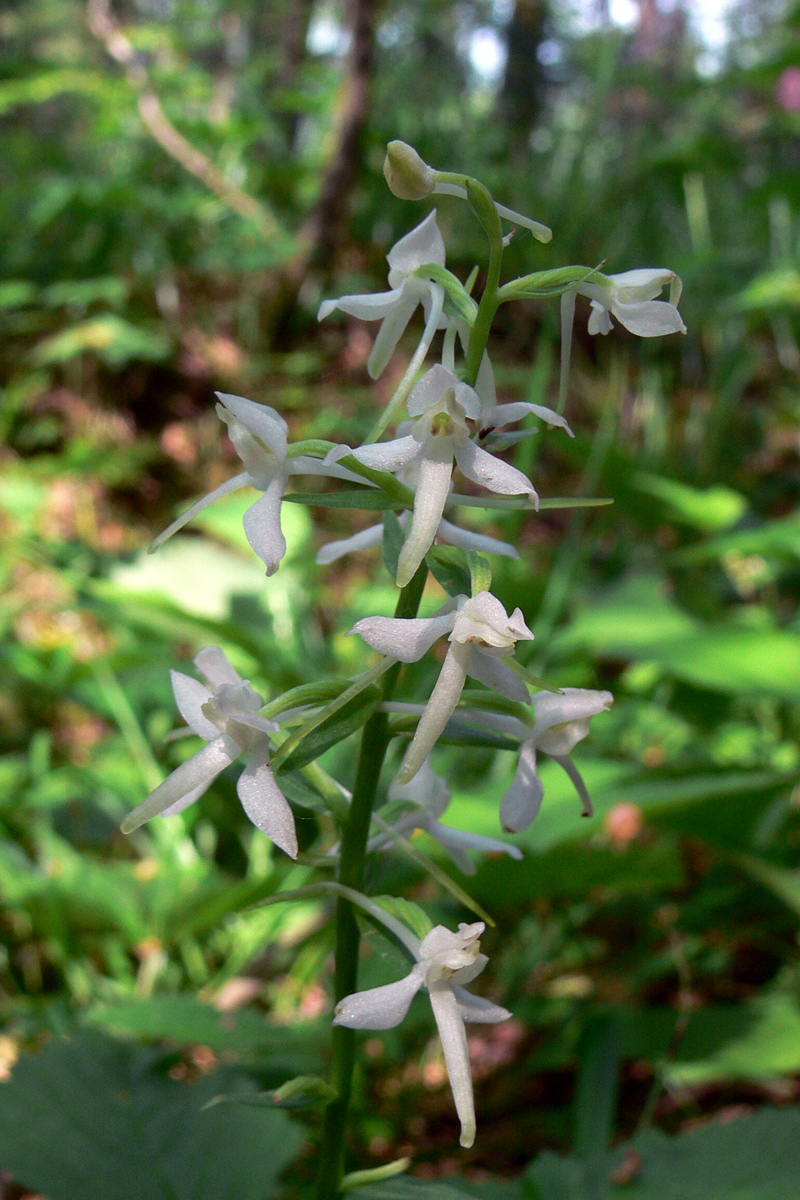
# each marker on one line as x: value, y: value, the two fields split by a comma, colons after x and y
x: 560, y: 722
x: 226, y: 714
x: 443, y: 406
x: 445, y: 961
x: 480, y: 633
x: 260, y: 437
x: 430, y: 797
x: 395, y: 308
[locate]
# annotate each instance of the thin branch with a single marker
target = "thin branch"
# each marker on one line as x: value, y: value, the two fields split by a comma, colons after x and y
x: 122, y: 50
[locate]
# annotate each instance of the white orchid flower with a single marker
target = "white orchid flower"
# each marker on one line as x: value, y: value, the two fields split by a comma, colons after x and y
x: 260, y: 437
x: 480, y: 633
x: 631, y: 298
x: 430, y: 795
x: 226, y: 715
x: 445, y: 961
x: 443, y: 406
x: 395, y: 308
x: 559, y: 723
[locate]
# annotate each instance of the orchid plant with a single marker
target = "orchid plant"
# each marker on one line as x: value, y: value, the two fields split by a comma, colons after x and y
x: 449, y: 421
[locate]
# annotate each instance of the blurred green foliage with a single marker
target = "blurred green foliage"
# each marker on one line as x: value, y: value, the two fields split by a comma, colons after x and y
x: 649, y: 954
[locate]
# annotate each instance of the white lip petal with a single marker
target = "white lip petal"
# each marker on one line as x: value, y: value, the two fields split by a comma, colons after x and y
x: 389, y: 456
x: 367, y: 539
x: 406, y: 640
x: 484, y: 469
x: 192, y: 776
x: 433, y: 486
x: 651, y: 318
x: 439, y: 709
x: 261, y: 420
x: 450, y: 1024
x: 213, y: 663
x: 381, y: 1007
x: 264, y: 802
x: 243, y: 479
x: 186, y: 801
x: 477, y: 1010
x: 494, y: 673
x: 522, y: 801
x: 262, y: 525
x: 190, y: 694
x: 390, y: 332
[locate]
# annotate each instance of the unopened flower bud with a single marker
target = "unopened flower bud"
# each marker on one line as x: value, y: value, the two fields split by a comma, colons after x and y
x: 408, y: 177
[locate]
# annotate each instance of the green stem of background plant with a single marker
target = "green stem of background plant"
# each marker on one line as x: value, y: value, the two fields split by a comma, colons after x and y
x: 375, y: 741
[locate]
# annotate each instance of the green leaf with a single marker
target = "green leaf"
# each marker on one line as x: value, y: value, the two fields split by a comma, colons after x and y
x: 462, y: 302
x: 304, y: 1091
x: 409, y: 913
x: 340, y: 725
x: 89, y: 1118
x: 768, y: 1047
x: 707, y: 509
x: 480, y: 573
x: 449, y: 565
x: 369, y: 499
x: 784, y: 883
x: 753, y: 1158
x: 393, y: 538
x: 112, y: 339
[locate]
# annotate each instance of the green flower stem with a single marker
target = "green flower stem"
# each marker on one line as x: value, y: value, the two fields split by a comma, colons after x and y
x: 375, y: 741
x: 483, y: 205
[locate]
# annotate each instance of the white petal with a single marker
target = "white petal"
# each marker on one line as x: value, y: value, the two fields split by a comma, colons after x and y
x: 442, y: 940
x: 265, y: 803
x: 433, y: 486
x: 522, y: 801
x: 483, y: 619
x: 451, y: 838
x: 450, y: 1024
x: 439, y: 709
x: 456, y: 853
x: 424, y: 244
x: 651, y: 318
x: 261, y: 420
x: 243, y: 479
x: 643, y: 283
x: 381, y: 1007
x: 485, y: 387
x: 213, y: 663
x: 562, y: 720
x: 390, y: 332
x: 494, y: 673
x: 404, y: 639
x: 478, y: 1010
x: 483, y: 468
x: 261, y: 463
x: 507, y: 414
x: 190, y: 694
x: 194, y: 775
x: 187, y: 800
x: 599, y: 320
x: 470, y: 540
x: 388, y: 456
x: 241, y: 704
x: 367, y: 539
x: 433, y: 385
x: 374, y: 307
x: 262, y: 525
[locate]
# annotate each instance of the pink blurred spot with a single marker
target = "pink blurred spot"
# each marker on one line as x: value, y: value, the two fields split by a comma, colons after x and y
x: 788, y: 89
